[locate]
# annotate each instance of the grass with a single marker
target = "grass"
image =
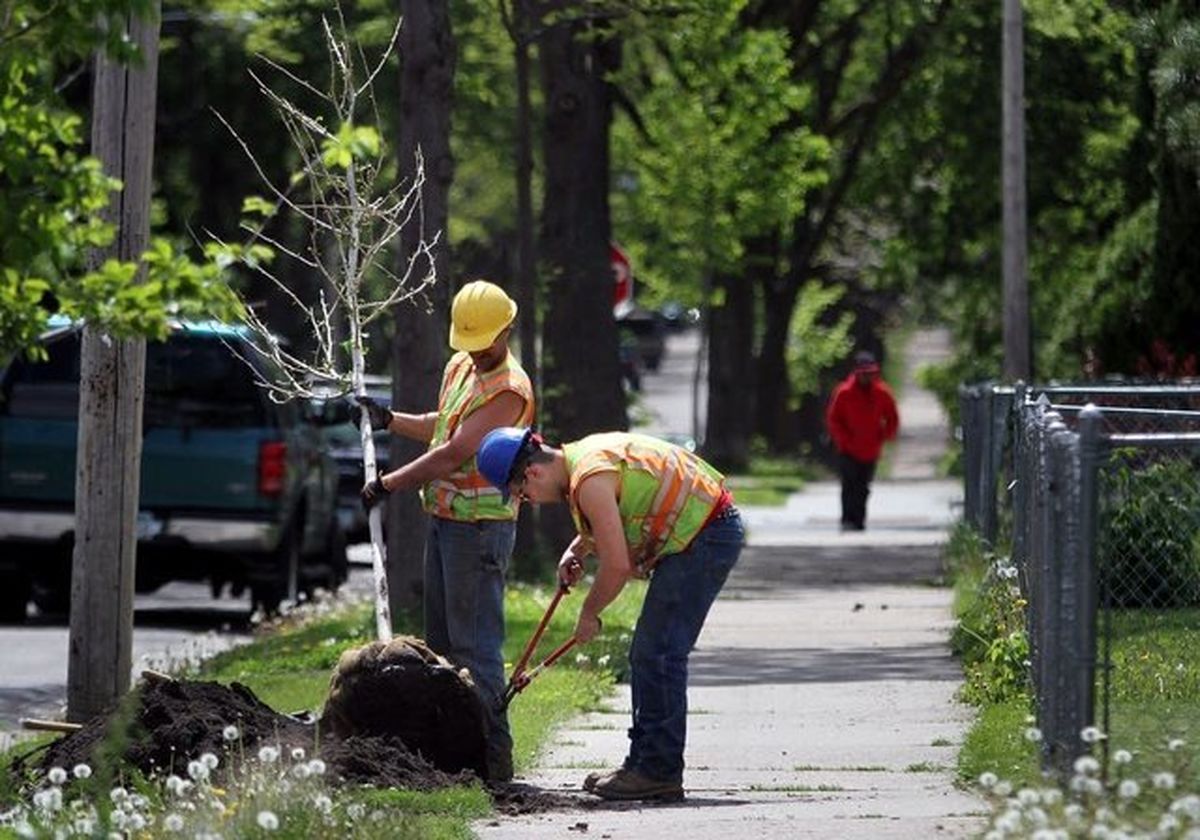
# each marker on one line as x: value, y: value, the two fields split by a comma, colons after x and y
x: 770, y: 481
x: 996, y: 743
x: 289, y: 669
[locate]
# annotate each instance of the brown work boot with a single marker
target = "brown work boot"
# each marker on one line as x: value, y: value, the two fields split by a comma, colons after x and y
x: 629, y: 784
x: 590, y: 780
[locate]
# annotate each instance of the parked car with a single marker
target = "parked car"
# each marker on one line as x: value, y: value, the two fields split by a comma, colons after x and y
x: 235, y: 488
x: 648, y: 333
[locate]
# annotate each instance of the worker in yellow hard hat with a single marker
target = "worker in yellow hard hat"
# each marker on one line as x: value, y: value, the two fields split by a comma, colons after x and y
x: 473, y: 524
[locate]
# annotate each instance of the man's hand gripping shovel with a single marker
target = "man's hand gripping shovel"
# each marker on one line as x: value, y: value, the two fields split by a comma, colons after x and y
x: 521, y: 677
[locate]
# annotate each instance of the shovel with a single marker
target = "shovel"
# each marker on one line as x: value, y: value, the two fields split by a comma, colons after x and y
x: 521, y: 677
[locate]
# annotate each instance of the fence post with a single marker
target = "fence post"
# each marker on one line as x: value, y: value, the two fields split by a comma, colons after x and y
x: 968, y: 398
x: 1083, y: 663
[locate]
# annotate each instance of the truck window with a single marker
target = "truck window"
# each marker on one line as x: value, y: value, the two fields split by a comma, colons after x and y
x: 197, y: 381
x: 46, y: 390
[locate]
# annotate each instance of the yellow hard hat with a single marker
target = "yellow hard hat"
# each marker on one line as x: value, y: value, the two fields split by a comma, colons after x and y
x: 480, y: 312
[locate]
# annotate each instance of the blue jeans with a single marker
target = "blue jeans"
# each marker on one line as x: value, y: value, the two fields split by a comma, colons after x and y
x: 682, y: 588
x: 465, y: 565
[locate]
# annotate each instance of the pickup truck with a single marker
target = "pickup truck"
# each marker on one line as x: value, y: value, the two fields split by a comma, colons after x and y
x: 236, y: 489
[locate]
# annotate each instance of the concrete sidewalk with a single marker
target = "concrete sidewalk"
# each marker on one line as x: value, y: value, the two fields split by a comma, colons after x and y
x: 821, y: 689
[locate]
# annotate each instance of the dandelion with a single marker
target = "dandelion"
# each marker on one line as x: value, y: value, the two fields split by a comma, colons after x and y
x: 49, y: 799
x: 175, y: 785
x: 198, y: 770
x: 1093, y: 787
x: 267, y: 821
x: 83, y: 825
x: 1085, y: 765
x: 297, y: 753
x: 1122, y: 757
x: 316, y: 767
x: 230, y: 733
x: 1188, y: 805
x: 1128, y: 789
x: 210, y: 760
x: 1091, y: 735
x: 268, y: 755
x: 172, y: 822
x: 57, y: 775
x: 1163, y: 781
x: 117, y: 794
x: 323, y: 803
x: 356, y: 810
x: 1003, y: 788
x: 301, y: 771
x: 136, y: 822
x: 1052, y: 796
x: 1176, y: 744
x: 987, y: 779
x: 1028, y: 796
x: 1033, y: 734
x: 81, y: 771
x: 1167, y: 824
x: 604, y: 660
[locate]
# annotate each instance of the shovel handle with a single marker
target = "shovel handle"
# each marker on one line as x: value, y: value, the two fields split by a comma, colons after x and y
x: 539, y: 632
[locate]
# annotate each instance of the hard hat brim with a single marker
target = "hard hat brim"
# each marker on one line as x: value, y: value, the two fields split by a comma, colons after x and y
x: 470, y: 341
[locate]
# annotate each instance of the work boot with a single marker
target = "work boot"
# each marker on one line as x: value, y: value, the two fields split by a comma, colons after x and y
x: 630, y: 784
x: 590, y: 780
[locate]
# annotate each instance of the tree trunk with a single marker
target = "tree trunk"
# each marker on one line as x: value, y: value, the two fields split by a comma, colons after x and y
x: 779, y: 301
x: 111, y: 391
x: 427, y: 55
x: 731, y: 391
x: 581, y: 376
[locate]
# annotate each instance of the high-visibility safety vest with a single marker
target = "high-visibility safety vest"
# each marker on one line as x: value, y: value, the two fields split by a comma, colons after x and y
x: 666, y: 494
x: 465, y: 495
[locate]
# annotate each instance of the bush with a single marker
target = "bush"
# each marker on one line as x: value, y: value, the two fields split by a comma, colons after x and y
x: 1150, y: 536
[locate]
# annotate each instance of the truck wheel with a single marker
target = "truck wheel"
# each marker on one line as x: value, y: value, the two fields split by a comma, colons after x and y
x: 14, y: 597
x: 277, y: 579
x: 328, y: 569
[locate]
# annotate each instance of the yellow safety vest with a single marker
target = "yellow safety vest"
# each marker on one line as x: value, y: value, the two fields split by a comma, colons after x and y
x: 666, y: 494
x: 465, y: 495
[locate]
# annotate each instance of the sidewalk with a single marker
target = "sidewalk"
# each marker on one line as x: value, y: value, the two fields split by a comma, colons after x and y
x: 821, y: 689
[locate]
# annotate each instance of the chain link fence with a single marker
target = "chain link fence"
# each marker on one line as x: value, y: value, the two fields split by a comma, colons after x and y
x: 1104, y: 505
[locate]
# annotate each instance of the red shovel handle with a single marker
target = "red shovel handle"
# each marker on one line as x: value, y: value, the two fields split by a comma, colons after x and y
x: 519, y: 668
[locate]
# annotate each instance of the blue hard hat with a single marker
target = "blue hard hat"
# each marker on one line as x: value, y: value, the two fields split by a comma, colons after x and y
x: 498, y: 452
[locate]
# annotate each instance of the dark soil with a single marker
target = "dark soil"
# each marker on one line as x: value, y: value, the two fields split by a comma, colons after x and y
x: 397, y: 716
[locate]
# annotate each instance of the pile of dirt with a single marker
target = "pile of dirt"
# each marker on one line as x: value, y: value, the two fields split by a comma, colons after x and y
x: 397, y: 716
x: 403, y: 689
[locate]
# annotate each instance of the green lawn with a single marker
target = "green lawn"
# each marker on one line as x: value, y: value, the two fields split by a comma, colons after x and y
x: 770, y: 481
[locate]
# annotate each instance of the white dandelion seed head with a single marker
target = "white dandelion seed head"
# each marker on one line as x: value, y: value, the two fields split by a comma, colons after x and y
x: 1128, y: 789
x: 1003, y: 788
x: 1009, y: 821
x: 356, y: 810
x: 1188, y: 805
x: 297, y: 753
x: 301, y: 771
x: 81, y: 771
x: 1176, y: 744
x: 1167, y: 824
x: 268, y: 755
x: 198, y: 770
x: 136, y: 822
x: 230, y: 733
x: 987, y: 779
x: 210, y: 760
x: 118, y: 819
x: 1073, y: 811
x: 1163, y: 780
x: 1122, y: 757
x: 1028, y: 796
x: 172, y: 822
x: 174, y: 785
x: 1093, y: 787
x: 84, y: 826
x: 322, y: 803
x: 316, y: 767
x: 1033, y: 734
x: 1091, y: 735
x: 267, y: 820
x: 117, y: 794
x: 1085, y: 765
x: 56, y: 775
x: 1051, y: 796
x: 1037, y: 816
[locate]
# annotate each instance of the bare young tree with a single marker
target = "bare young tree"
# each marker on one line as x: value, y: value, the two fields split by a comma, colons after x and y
x: 353, y: 218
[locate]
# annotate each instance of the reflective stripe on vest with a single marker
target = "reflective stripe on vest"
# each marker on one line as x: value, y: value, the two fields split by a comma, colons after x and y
x: 465, y: 495
x: 665, y: 492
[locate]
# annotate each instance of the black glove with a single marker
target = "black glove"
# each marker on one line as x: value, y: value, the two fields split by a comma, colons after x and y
x: 373, y: 493
x: 379, y: 415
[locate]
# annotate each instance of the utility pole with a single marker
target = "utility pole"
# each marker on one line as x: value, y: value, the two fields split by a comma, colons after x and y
x: 111, y: 389
x: 1017, y: 344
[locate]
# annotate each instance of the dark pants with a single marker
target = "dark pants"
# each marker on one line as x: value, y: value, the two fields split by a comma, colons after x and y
x: 682, y: 588
x: 856, y: 486
x: 465, y: 565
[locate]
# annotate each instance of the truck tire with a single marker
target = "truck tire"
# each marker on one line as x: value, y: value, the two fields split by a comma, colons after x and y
x: 275, y: 578
x: 14, y: 597
x: 328, y: 569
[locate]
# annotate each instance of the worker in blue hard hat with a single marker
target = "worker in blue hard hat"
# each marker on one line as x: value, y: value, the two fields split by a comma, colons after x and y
x: 472, y: 524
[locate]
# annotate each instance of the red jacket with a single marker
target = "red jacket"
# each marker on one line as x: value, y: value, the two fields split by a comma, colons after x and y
x: 860, y: 419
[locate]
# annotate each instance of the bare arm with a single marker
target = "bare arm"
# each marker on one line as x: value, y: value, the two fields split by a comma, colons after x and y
x: 598, y: 503
x: 419, y: 427
x: 444, y: 459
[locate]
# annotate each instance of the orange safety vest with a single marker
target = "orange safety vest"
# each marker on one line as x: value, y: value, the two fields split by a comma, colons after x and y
x: 465, y: 495
x: 666, y: 494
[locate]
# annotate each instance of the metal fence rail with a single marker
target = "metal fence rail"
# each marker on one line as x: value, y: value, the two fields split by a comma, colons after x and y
x: 1105, y: 535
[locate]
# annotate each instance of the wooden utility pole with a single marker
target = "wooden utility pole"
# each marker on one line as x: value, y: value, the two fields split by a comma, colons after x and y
x: 1017, y: 344
x: 111, y: 388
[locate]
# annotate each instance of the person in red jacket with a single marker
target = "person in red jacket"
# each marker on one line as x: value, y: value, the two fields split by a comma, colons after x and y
x: 861, y: 417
